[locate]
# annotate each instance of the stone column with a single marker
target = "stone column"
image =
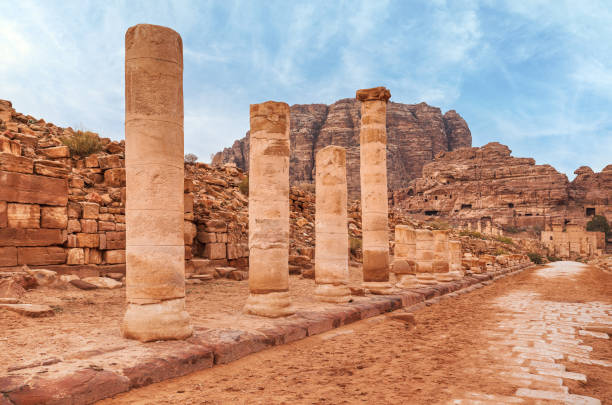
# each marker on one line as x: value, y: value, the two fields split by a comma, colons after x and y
x: 404, y: 265
x: 331, y: 226
x: 374, y: 205
x: 269, y: 211
x: 456, y: 269
x: 441, y: 264
x: 155, y: 251
x: 424, y: 256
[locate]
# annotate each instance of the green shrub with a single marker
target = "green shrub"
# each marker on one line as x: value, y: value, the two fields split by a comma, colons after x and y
x: 244, y: 186
x: 472, y: 234
x: 535, y: 257
x: 553, y: 258
x: 82, y: 143
x: 354, y: 244
x: 504, y: 239
x: 599, y: 223
x: 499, y: 252
x: 514, y: 229
x: 441, y: 225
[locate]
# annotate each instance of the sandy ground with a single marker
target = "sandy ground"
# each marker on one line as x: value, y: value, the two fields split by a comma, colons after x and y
x: 448, y: 355
x: 89, y: 320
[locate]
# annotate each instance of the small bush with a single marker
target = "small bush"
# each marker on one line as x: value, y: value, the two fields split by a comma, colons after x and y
x: 553, y: 258
x: 535, y: 257
x: 191, y: 158
x: 82, y: 143
x: 599, y: 223
x: 514, y: 229
x: 354, y: 244
x: 504, y: 239
x: 244, y: 186
x: 499, y: 252
x: 472, y: 234
x: 439, y: 225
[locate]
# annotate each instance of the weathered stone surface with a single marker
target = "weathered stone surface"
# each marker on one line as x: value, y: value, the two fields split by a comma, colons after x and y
x: 40, y: 256
x: 269, y: 211
x: 57, y: 152
x: 83, y: 285
x: 24, y: 188
x: 8, y: 256
x: 331, y: 257
x: 374, y: 206
x: 12, y: 163
x: 24, y: 216
x: 51, y: 168
x: 30, y: 237
x: 3, y: 214
x: 54, y: 217
x: 30, y: 310
x: 415, y: 132
x: 103, y: 282
x: 155, y: 251
x: 114, y: 256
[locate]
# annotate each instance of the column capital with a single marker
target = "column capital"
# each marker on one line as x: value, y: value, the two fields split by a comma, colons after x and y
x: 376, y: 93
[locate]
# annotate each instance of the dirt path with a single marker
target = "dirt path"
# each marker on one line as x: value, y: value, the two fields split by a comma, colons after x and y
x: 520, y: 332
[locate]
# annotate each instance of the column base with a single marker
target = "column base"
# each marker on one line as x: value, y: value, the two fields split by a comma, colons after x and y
x: 271, y: 305
x: 406, y: 281
x: 444, y: 277
x: 332, y: 293
x: 426, y: 278
x: 166, y: 320
x: 379, y: 287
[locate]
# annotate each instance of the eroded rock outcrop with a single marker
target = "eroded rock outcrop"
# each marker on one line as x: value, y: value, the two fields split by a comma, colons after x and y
x: 416, y: 133
x: 487, y: 183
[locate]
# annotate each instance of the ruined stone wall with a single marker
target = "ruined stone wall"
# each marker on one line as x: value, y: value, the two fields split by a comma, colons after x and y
x: 415, y: 134
x: 573, y: 241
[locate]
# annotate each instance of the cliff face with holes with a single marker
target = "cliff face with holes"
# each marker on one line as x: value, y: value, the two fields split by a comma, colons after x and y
x: 488, y: 183
x: 415, y: 134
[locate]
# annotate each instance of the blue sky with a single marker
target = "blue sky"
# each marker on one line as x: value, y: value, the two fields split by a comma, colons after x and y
x: 535, y: 75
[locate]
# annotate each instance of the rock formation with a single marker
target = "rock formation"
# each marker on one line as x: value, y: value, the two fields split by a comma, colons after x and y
x: 269, y: 211
x: 489, y: 186
x: 331, y: 227
x: 415, y: 134
x: 155, y: 283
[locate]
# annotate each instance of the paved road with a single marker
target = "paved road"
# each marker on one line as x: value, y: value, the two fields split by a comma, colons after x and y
x: 536, y: 337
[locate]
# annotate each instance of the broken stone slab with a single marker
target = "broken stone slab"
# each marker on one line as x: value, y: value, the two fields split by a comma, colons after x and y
x: 31, y: 310
x: 224, y: 271
x: 83, y: 285
x: 103, y: 282
x: 202, y: 277
x: 9, y: 300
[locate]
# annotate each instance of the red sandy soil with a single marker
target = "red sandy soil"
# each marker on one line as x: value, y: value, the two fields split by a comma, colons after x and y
x: 382, y: 360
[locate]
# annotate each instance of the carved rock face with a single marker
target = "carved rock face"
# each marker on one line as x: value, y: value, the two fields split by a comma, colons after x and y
x: 415, y: 134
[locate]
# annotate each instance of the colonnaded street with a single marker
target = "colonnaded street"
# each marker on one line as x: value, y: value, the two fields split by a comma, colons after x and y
x: 538, y: 337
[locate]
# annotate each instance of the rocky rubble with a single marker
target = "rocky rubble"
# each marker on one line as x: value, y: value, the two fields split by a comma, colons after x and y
x: 415, y: 134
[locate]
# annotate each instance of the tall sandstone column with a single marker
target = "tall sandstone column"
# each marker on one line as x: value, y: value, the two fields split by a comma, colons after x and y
x: 155, y: 252
x: 404, y: 265
x: 424, y: 256
x: 374, y: 204
x: 331, y: 226
x: 269, y: 211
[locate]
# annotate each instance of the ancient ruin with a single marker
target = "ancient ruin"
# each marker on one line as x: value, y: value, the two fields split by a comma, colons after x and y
x: 424, y: 256
x: 573, y: 241
x: 331, y: 248
x: 269, y: 211
x: 455, y: 256
x: 404, y: 264
x: 373, y: 141
x: 155, y: 262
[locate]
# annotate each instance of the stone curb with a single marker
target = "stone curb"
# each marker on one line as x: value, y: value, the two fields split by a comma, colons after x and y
x: 158, y: 361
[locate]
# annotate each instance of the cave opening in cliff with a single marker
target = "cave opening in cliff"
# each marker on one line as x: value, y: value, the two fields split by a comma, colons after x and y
x: 432, y: 212
x: 510, y: 205
x: 410, y: 193
x: 590, y: 212
x: 466, y: 206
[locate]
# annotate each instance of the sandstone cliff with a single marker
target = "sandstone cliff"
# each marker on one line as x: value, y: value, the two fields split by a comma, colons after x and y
x: 415, y: 134
x: 487, y: 183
